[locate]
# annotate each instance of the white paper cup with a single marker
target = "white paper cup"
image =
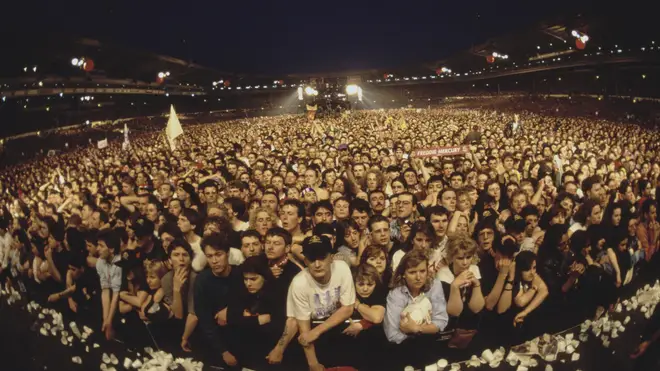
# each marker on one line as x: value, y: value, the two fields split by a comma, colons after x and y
x: 487, y: 355
x: 561, y: 345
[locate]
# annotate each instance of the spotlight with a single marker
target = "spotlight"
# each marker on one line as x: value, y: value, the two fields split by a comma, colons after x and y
x: 167, y: 73
x: 574, y: 33
x: 74, y: 62
x: 311, y: 91
x: 161, y: 75
x: 61, y: 95
x: 351, y: 89
x: 41, y: 83
x: 215, y: 83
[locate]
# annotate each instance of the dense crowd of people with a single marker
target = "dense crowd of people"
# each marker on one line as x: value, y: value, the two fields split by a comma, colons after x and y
x: 275, y: 242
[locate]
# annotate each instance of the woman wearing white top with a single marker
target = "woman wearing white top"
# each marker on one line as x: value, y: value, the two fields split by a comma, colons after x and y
x: 590, y: 213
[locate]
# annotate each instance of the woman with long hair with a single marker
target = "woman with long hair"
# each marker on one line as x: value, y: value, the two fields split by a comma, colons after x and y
x: 349, y: 249
x: 344, y: 186
x: 252, y: 316
x: 416, y: 309
x: 373, y: 180
x: 529, y: 290
x: 590, y: 213
x: 376, y: 256
x: 422, y: 237
x: 189, y: 198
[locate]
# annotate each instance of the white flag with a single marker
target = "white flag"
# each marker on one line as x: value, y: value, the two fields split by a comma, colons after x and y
x: 126, y: 143
x: 173, y: 128
x: 102, y: 143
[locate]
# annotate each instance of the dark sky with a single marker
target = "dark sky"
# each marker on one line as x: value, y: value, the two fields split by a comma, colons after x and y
x: 291, y: 36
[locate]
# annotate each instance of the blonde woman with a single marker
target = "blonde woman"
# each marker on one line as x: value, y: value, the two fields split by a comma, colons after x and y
x: 262, y: 219
x: 461, y: 282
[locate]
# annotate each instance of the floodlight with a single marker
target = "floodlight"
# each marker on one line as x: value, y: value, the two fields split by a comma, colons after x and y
x: 311, y: 91
x: 74, y: 62
x: 351, y: 89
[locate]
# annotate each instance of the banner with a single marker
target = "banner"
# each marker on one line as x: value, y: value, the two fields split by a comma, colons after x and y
x: 442, y: 151
x: 102, y: 143
x: 311, y: 112
x: 126, y: 143
x: 173, y: 128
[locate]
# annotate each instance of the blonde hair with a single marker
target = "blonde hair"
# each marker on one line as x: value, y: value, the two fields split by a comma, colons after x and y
x: 253, y: 216
x: 460, y: 243
x: 153, y: 268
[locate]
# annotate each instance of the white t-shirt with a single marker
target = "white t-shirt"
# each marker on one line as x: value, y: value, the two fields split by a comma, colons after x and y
x: 5, y: 249
x: 309, y: 300
x: 436, y: 256
x: 446, y: 275
x: 576, y: 227
x: 199, y: 261
x: 396, y: 259
x: 242, y: 226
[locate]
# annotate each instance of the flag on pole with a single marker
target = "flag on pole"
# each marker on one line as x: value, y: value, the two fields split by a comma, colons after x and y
x: 126, y: 143
x: 173, y: 128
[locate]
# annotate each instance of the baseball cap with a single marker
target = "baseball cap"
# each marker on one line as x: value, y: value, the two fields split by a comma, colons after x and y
x: 317, y: 247
x: 142, y: 227
x: 129, y: 259
x: 515, y: 224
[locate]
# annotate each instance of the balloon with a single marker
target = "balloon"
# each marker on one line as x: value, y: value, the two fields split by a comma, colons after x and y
x: 490, y: 59
x: 227, y: 82
x: 88, y: 66
x: 580, y: 44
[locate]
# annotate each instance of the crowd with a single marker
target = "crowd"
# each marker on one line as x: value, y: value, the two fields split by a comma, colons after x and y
x: 273, y: 242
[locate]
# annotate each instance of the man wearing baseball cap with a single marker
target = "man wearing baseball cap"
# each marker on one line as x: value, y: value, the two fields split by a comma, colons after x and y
x: 146, y: 241
x: 321, y: 298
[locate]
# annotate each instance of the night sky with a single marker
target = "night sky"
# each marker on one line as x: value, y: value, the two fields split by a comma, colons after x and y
x: 271, y: 37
